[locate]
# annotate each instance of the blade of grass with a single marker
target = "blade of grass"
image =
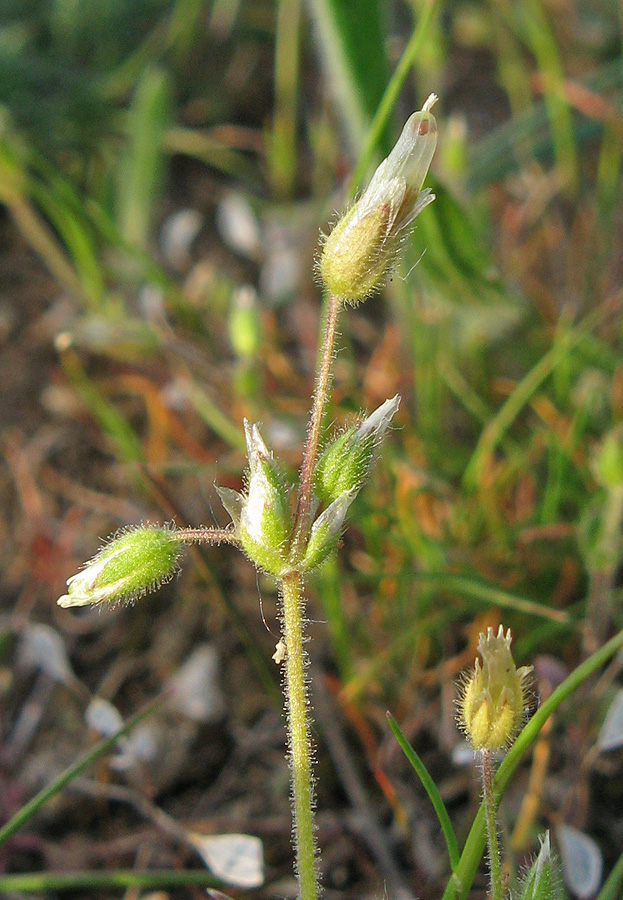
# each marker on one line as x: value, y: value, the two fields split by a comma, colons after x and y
x: 200, y: 144
x: 283, y: 156
x: 77, y: 236
x: 380, y: 121
x: 13, y: 193
x: 497, y: 427
x: 431, y: 789
x: 141, y: 167
x: 112, y: 422
x: 352, y: 43
x: 459, y: 884
x: 491, y: 595
x: 119, y: 878
x: 214, y: 418
x: 542, y: 43
x: 29, y: 809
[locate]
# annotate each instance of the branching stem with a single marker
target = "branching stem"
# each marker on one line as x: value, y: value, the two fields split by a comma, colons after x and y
x: 321, y: 396
x: 293, y: 599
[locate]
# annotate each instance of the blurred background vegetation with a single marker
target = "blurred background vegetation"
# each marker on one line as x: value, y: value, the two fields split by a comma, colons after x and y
x: 165, y: 168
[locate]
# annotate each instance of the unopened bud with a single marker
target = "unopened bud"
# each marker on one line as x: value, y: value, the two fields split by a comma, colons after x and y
x: 135, y: 562
x: 364, y: 244
x: 345, y: 463
x: 326, y: 531
x: 493, y: 698
x: 542, y: 880
x: 262, y: 517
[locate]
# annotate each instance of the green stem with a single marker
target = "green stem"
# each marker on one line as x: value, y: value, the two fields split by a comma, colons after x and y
x: 298, y: 735
x: 495, y: 867
x: 293, y: 626
x: 321, y: 396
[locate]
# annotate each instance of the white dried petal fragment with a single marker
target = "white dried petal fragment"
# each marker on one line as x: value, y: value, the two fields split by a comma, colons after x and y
x: 611, y: 734
x: 238, y: 226
x: 195, y: 686
x: 103, y: 717
x: 177, y: 235
x: 582, y: 862
x: 280, y: 651
x: 43, y: 648
x: 237, y: 859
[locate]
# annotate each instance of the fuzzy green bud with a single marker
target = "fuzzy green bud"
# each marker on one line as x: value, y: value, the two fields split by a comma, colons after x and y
x: 131, y: 564
x: 493, y: 697
x: 364, y: 244
x: 542, y: 880
x: 326, y: 531
x: 262, y: 516
x: 345, y: 463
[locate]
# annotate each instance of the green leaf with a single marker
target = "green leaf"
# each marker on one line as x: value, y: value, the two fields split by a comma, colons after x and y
x: 431, y: 789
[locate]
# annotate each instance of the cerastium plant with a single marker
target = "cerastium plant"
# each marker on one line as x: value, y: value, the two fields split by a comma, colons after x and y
x: 285, y: 534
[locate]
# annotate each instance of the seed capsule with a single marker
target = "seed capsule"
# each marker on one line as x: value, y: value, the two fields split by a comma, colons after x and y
x: 131, y: 564
x: 493, y: 698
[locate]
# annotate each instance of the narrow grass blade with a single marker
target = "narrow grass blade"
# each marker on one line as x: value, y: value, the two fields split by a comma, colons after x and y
x: 214, y: 418
x: 490, y: 595
x: 112, y: 422
x: 351, y: 40
x: 497, y: 427
x: 77, y: 236
x: 121, y: 878
x: 141, y: 168
x: 431, y: 789
x: 383, y: 111
x: 75, y: 769
x: 283, y: 155
x: 542, y: 43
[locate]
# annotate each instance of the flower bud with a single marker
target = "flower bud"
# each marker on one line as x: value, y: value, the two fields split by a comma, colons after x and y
x: 493, y: 697
x: 364, y: 244
x: 131, y: 564
x: 262, y: 517
x: 345, y: 463
x: 326, y: 531
x: 542, y: 880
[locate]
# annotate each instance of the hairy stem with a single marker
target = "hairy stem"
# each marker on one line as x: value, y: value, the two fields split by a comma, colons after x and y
x: 205, y: 536
x: 495, y: 867
x: 299, y: 743
x: 299, y: 736
x: 321, y: 396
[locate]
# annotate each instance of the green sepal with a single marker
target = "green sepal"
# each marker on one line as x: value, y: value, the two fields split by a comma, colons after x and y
x: 343, y: 465
x: 542, y: 880
x: 326, y: 531
x: 265, y: 520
